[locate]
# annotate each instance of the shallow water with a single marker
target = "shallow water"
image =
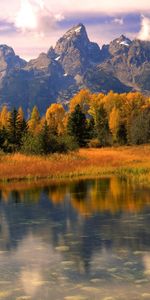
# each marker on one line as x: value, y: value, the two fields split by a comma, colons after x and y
x: 85, y: 240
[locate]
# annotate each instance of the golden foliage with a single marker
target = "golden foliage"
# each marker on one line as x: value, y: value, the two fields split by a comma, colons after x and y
x: 83, y: 99
x: 114, y: 122
x: 4, y: 117
x: 34, y: 120
x: 55, y: 115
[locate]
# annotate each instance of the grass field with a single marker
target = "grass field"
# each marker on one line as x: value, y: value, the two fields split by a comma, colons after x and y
x: 121, y: 161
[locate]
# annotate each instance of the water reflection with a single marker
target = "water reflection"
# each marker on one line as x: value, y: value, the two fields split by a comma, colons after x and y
x: 82, y: 240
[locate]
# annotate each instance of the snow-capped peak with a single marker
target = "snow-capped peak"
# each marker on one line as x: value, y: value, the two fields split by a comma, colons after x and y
x: 125, y: 43
x: 78, y: 29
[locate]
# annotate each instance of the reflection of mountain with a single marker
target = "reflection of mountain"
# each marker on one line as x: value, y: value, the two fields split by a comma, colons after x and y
x: 83, y: 230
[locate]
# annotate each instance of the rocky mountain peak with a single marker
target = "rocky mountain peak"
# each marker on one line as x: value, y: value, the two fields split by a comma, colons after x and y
x: 123, y: 41
x: 120, y: 45
x: 75, y: 51
x: 51, y: 53
x: 6, y: 51
x: 9, y: 60
x: 74, y: 37
x: 77, y: 32
x: 73, y: 64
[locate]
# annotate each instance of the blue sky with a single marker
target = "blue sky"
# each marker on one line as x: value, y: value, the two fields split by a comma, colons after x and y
x: 32, y: 26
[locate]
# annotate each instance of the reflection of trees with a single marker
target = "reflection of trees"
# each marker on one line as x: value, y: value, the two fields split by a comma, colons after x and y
x: 108, y: 195
x: 5, y: 195
x: 100, y: 214
x: 87, y: 196
x: 57, y: 193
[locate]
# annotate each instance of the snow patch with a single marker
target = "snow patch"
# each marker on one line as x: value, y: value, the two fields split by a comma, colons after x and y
x: 57, y: 58
x: 125, y: 43
x: 78, y: 29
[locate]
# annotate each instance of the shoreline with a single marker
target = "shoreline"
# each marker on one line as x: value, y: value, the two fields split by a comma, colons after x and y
x: 127, y: 161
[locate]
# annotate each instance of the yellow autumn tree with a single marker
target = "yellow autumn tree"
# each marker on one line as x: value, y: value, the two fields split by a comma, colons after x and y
x: 83, y: 99
x: 34, y: 120
x: 4, y: 117
x: 114, y: 123
x: 112, y: 100
x: 95, y: 104
x: 20, y: 114
x: 55, y: 118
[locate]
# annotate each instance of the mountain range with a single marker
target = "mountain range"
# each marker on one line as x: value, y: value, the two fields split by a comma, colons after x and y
x: 75, y: 63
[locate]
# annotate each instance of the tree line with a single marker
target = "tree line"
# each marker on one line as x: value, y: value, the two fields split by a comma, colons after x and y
x: 89, y: 120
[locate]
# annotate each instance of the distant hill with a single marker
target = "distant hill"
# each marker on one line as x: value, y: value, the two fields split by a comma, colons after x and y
x: 73, y: 64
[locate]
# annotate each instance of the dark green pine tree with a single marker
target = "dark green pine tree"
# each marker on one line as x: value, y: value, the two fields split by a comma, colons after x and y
x: 45, y: 138
x: 3, y: 138
x: 77, y: 126
x: 17, y: 127
x: 91, y: 130
x: 102, y: 126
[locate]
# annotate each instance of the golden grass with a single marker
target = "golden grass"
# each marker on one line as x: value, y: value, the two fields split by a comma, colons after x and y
x: 122, y: 161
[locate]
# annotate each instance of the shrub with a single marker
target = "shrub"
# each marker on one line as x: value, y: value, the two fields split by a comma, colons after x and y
x: 66, y: 143
x: 32, y: 144
x: 94, y: 143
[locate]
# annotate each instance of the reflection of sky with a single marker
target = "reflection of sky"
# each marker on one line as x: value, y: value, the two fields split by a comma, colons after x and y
x: 48, y: 249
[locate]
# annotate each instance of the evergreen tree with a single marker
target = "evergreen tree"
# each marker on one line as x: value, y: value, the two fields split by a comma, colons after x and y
x: 2, y: 138
x: 22, y: 124
x: 13, y: 129
x: 77, y: 126
x: 122, y: 134
x: 45, y: 138
x: 16, y: 128
x: 91, y: 131
x: 102, y: 126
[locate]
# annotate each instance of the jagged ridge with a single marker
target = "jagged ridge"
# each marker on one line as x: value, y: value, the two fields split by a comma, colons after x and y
x: 74, y: 63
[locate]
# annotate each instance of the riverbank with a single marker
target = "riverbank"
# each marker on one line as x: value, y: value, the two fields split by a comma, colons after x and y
x: 86, y: 163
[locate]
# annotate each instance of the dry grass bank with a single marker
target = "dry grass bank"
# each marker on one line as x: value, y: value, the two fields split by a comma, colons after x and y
x: 133, y: 161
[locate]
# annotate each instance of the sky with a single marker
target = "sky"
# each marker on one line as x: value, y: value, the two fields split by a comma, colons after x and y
x: 32, y: 26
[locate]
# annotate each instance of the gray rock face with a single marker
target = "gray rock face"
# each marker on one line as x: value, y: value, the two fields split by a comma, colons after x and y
x: 8, y: 59
x: 9, y: 62
x: 75, y: 52
x: 129, y: 61
x: 74, y: 63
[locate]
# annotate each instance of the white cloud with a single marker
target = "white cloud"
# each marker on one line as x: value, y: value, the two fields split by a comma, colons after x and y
x: 38, y: 21
x: 26, y: 17
x: 107, y: 6
x: 144, y: 33
x: 59, y: 17
x: 34, y: 16
x: 118, y: 21
x: 89, y: 6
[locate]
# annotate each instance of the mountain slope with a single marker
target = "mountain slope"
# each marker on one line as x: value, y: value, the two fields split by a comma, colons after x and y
x: 73, y: 64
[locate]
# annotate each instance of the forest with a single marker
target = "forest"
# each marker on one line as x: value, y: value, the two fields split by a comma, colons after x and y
x: 88, y: 120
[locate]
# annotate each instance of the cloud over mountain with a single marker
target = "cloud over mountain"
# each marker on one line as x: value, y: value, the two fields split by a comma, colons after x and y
x: 36, y: 17
x: 32, y: 24
x: 144, y: 33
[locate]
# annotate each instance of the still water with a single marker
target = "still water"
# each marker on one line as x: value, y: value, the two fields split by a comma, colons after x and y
x: 83, y: 240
